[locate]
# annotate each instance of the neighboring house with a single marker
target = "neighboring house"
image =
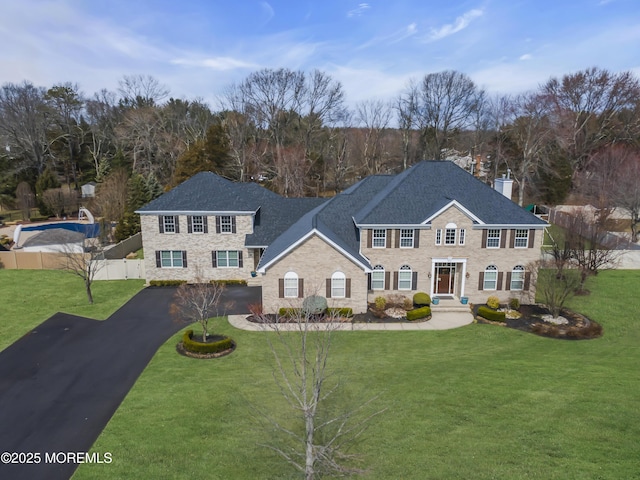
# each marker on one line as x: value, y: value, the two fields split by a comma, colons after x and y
x: 433, y: 228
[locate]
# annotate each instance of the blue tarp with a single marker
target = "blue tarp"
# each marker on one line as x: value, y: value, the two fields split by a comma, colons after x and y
x: 90, y: 230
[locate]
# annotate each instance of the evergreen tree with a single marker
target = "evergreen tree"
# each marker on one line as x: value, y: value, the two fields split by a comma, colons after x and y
x: 208, y: 155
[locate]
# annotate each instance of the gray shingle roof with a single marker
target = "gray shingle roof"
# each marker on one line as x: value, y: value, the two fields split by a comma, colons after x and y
x: 409, y: 198
x: 422, y: 190
x: 208, y: 192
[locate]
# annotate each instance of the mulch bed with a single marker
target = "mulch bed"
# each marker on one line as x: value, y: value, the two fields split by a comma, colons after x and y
x: 578, y: 328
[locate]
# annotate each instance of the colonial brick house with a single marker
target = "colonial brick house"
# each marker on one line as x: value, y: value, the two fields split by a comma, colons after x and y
x: 433, y: 228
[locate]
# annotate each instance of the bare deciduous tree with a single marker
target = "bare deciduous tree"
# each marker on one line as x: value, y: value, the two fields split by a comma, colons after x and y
x: 315, y: 434
x: 25, y: 199
x: 373, y: 118
x: 142, y: 90
x: 197, y: 302
x: 553, y: 288
x: 60, y: 200
x: 84, y: 264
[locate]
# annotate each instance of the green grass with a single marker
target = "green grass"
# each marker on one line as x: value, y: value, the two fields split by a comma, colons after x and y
x: 479, y: 402
x: 29, y: 297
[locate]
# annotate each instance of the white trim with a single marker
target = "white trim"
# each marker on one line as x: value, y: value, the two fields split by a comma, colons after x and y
x: 195, y: 213
x: 454, y: 203
x: 508, y: 226
x: 302, y: 240
x: 435, y: 260
x: 415, y: 226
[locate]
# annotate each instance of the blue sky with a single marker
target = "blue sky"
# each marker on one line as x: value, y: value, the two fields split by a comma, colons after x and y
x: 197, y: 47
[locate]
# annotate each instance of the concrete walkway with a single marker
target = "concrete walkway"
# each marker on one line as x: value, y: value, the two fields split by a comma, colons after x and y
x: 439, y: 321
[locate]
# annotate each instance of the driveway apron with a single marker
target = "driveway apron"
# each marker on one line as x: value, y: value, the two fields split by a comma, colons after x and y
x: 62, y: 382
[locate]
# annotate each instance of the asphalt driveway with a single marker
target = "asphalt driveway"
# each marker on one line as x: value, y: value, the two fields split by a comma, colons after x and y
x: 61, y: 383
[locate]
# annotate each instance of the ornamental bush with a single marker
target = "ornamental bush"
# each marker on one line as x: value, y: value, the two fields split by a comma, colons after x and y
x: 491, y: 314
x: 167, y: 283
x: 493, y: 302
x: 421, y: 299
x: 418, y: 313
x: 289, y: 312
x: 314, y: 305
x: 340, y: 312
x: 514, y: 303
x: 381, y: 303
x: 193, y: 346
x: 229, y: 282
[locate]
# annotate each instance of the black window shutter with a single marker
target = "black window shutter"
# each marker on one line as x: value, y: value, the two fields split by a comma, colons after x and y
x: 328, y: 288
x: 368, y: 281
x: 233, y: 224
x: 239, y: 258
x: 387, y: 280
x: 397, y: 238
x: 281, y: 288
x: 160, y: 223
x: 204, y: 224
x: 414, y: 281
x: 158, y: 258
x: 527, y: 280
x: 481, y: 280
x: 217, y: 224
x: 484, y: 238
x: 395, y: 280
x: 184, y: 259
x: 532, y: 236
x: 189, y: 224
x: 389, y: 238
x: 347, y: 292
x: 416, y: 238
x: 507, y: 286
x: 300, y: 288
x: 503, y: 238
x: 500, y: 276
x: 176, y: 220
x: 214, y: 259
x: 512, y: 240
x: 369, y: 235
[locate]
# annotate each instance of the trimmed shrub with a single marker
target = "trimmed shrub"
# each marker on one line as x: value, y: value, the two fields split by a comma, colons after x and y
x: 314, y: 305
x: 421, y: 299
x: 198, y: 347
x: 491, y: 314
x: 166, y: 283
x: 418, y: 313
x: 289, y: 312
x: 514, y: 303
x: 229, y: 282
x: 381, y: 303
x: 340, y: 312
x: 493, y: 302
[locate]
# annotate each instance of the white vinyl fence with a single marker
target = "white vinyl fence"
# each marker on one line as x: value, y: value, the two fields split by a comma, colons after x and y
x: 121, y: 269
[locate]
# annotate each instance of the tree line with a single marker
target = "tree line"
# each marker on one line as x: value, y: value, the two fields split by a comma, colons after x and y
x: 293, y: 130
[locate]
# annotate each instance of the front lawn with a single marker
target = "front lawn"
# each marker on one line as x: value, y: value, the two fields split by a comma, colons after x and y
x: 29, y: 297
x: 480, y: 402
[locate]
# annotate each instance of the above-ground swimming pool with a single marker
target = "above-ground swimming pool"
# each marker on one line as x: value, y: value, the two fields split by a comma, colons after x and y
x: 90, y: 230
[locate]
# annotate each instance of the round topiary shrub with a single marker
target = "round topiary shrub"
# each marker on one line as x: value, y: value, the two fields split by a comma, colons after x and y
x: 514, y: 303
x: 314, y: 305
x: 421, y: 299
x: 493, y: 302
x: 380, y: 303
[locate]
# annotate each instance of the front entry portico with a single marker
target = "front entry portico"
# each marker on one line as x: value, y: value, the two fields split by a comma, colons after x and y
x: 448, y: 276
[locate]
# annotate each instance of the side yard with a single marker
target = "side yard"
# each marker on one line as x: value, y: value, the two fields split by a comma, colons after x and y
x: 477, y: 402
x: 29, y: 297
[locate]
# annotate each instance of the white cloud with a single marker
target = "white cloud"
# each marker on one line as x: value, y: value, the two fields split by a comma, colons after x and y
x: 526, y: 56
x: 359, y: 11
x: 268, y: 10
x: 461, y: 23
x: 214, y: 63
